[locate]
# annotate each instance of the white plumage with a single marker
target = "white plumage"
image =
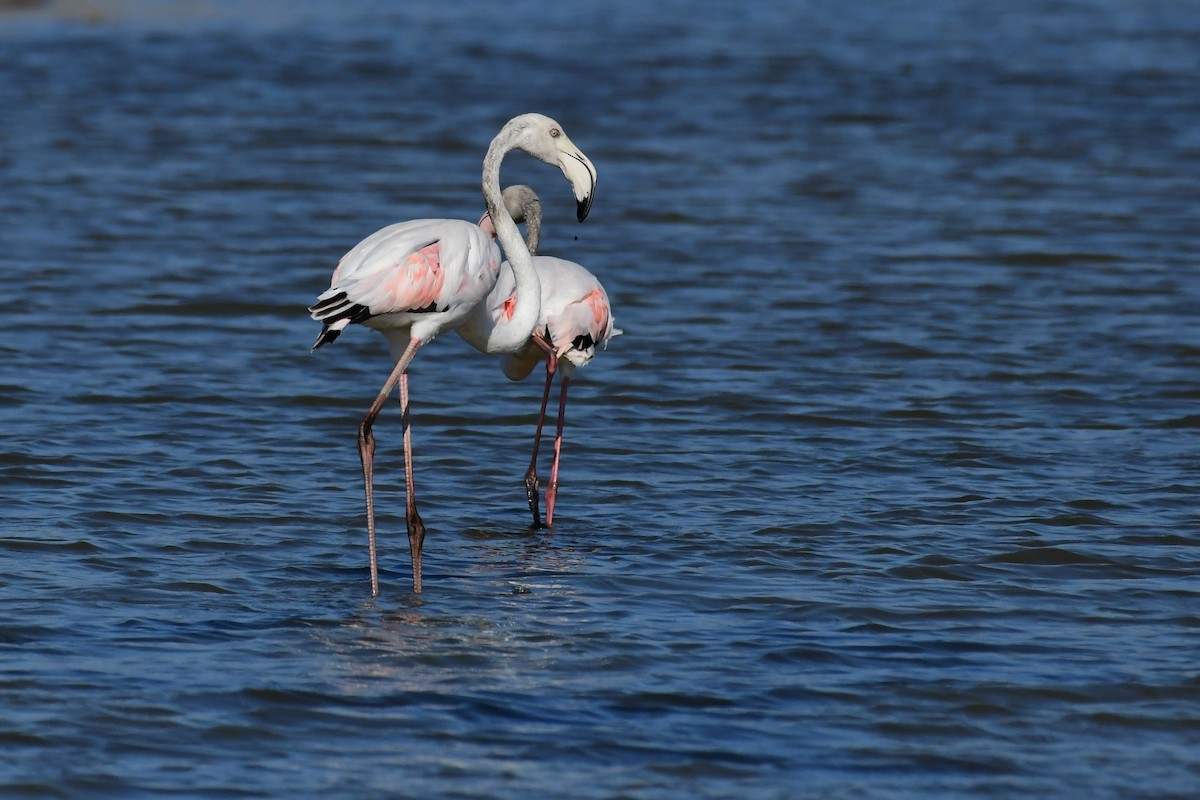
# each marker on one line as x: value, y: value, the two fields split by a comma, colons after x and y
x: 575, y: 317
x: 414, y: 279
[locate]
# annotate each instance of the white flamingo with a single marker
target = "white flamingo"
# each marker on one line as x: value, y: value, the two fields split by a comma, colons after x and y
x: 575, y: 318
x: 412, y: 280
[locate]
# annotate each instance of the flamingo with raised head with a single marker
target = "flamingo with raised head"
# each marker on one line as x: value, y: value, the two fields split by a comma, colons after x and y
x: 575, y: 318
x: 412, y: 280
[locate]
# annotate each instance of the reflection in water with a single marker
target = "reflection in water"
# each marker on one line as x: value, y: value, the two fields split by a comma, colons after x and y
x: 409, y: 646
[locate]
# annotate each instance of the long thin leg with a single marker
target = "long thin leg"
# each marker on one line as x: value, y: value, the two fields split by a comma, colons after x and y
x: 366, y: 452
x: 531, y: 477
x: 416, y: 528
x: 552, y: 489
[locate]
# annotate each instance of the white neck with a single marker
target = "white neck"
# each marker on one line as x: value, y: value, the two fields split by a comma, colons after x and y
x: 510, y: 335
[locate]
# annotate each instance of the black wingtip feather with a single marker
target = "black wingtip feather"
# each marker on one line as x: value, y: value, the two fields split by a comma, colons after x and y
x: 328, y: 302
x: 326, y: 336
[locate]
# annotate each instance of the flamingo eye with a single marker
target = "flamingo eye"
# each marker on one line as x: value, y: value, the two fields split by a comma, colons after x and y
x: 555, y: 132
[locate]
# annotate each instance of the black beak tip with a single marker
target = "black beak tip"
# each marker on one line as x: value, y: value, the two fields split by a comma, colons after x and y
x: 583, y: 207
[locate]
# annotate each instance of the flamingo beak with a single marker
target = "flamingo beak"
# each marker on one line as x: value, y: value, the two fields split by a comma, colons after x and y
x: 582, y: 175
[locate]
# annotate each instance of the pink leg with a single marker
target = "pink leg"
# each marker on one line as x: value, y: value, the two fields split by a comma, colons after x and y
x: 552, y: 489
x: 416, y: 528
x: 366, y: 452
x: 531, y: 478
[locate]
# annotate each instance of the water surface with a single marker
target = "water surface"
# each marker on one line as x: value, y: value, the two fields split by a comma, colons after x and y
x: 887, y: 490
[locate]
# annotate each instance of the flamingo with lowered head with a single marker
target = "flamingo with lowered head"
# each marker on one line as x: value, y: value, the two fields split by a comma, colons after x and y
x: 412, y: 280
x: 575, y: 318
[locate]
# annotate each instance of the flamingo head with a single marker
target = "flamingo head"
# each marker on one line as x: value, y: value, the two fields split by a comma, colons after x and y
x: 545, y: 140
x: 523, y: 206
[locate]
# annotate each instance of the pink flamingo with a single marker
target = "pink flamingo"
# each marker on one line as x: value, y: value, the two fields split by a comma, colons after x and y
x: 575, y: 317
x: 412, y: 280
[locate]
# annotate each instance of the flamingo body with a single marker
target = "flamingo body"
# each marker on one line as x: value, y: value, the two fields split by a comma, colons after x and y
x: 575, y: 317
x: 410, y: 280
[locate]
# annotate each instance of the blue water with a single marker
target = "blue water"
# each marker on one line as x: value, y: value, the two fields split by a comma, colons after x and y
x: 888, y: 490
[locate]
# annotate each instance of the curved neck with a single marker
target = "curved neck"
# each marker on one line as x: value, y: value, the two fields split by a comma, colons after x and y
x: 511, y: 334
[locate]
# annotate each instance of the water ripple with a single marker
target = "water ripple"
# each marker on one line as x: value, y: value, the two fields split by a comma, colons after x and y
x: 890, y: 476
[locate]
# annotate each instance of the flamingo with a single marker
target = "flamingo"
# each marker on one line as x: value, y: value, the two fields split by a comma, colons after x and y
x: 575, y: 317
x: 412, y: 280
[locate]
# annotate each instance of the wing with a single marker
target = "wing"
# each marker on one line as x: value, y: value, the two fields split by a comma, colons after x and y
x: 580, y: 325
x: 417, y: 267
x: 576, y: 316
